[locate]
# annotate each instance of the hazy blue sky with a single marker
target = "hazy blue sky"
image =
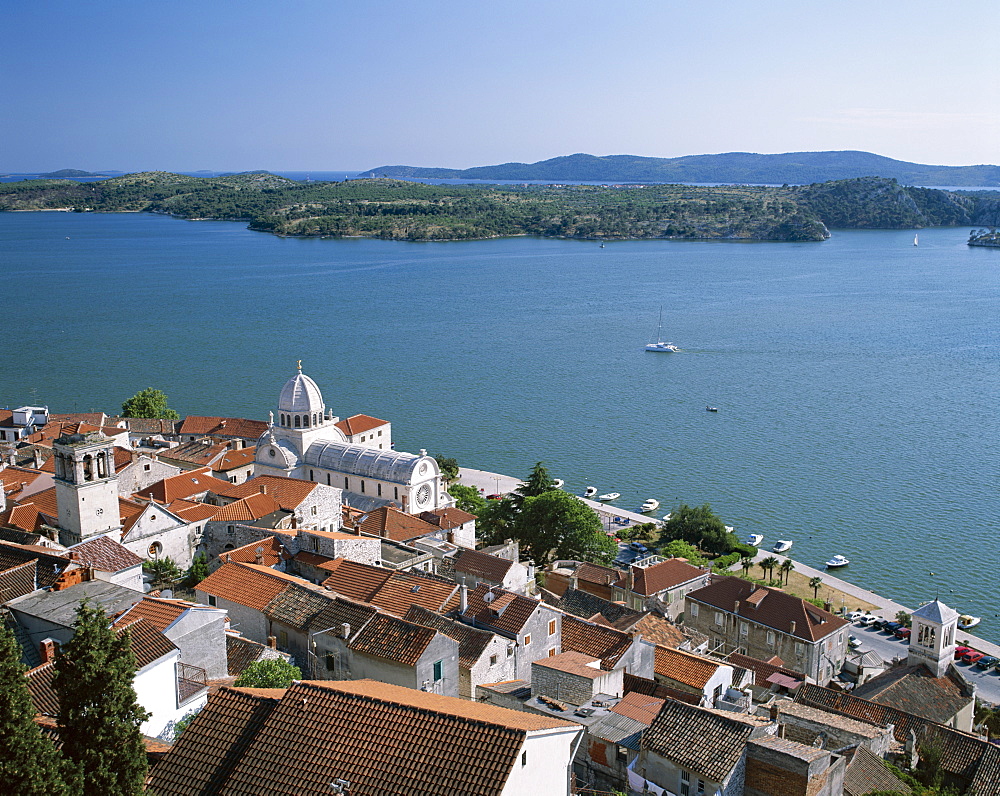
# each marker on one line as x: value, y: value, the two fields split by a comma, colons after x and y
x: 326, y: 84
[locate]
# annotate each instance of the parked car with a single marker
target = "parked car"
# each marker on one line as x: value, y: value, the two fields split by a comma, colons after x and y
x: 639, y: 547
x: 987, y: 662
x: 902, y: 632
x: 972, y: 656
x: 867, y: 620
x: 853, y: 642
x: 892, y: 627
x: 960, y: 651
x: 853, y: 616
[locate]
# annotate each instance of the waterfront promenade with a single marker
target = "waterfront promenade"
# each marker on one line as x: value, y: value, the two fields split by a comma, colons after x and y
x: 987, y: 682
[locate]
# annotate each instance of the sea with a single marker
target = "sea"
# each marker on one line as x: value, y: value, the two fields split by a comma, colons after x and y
x: 857, y: 380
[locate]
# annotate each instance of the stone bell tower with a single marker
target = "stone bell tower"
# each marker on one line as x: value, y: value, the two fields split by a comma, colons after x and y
x: 932, y: 637
x: 86, y: 486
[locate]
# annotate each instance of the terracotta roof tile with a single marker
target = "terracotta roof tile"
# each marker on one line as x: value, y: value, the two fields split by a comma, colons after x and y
x: 762, y: 670
x: 573, y: 663
x: 160, y: 613
x: 640, y: 685
x: 196, y: 425
x: 44, y: 501
x: 51, y: 564
x: 359, y: 424
x: 603, y: 643
x: 659, y: 631
x: 339, y: 729
x: 639, y: 707
x: 233, y: 459
x: 662, y: 576
x: 506, y: 612
x: 915, y: 690
x: 355, y: 580
x: 482, y: 565
x: 472, y: 642
x: 201, y: 452
x: 215, y: 743
x: 684, y: 667
x: 15, y: 479
x: 192, y: 511
x: 18, y: 580
x: 297, y: 605
x: 183, y: 485
x: 25, y: 518
x: 449, y: 517
x: 267, y: 552
x: 588, y: 606
x: 393, y: 639
x: 241, y: 652
x: 248, y: 509
x: 148, y: 643
x: 596, y: 574
x: 43, y: 695
x: 391, y: 523
x: 706, y: 742
x: 287, y: 492
x: 246, y: 584
x: 390, y: 590
x: 867, y: 772
x: 771, y: 607
x: 104, y: 554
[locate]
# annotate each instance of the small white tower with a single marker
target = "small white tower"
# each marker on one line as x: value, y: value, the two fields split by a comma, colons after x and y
x: 932, y: 637
x: 86, y: 486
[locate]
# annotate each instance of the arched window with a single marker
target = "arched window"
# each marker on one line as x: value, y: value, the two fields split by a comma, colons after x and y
x: 155, y: 549
x: 88, y: 468
x: 297, y: 421
x: 305, y: 421
x: 362, y: 486
x: 328, y: 479
x: 347, y: 484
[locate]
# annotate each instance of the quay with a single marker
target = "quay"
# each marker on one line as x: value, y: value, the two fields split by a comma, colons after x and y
x: 496, y: 483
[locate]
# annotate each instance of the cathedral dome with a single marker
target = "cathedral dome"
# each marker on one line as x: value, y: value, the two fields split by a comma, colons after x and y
x: 300, y: 395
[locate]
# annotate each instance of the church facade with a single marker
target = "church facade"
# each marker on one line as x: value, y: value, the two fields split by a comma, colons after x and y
x: 304, y: 441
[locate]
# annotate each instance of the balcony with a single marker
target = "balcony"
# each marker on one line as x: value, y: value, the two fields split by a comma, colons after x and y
x: 191, y: 682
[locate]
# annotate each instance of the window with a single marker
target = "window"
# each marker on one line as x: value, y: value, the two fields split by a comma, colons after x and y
x: 510, y: 651
x: 211, y: 600
x: 637, y: 603
x: 298, y: 422
x: 438, y: 670
x: 744, y: 629
x: 380, y: 433
x: 362, y: 486
x: 155, y: 549
x: 395, y: 493
x: 347, y: 484
x: 331, y: 661
x: 311, y: 476
x: 552, y: 626
x: 328, y: 479
x: 685, y: 783
x: 770, y: 638
x: 230, y: 529
x: 553, y: 652
x: 701, y: 787
x: 800, y: 649
x: 145, y: 467
x: 719, y: 618
x: 315, y: 510
x: 493, y: 660
x: 694, y: 610
x: 524, y: 758
x: 622, y: 754
x: 283, y: 638
x: 378, y: 489
x: 527, y: 640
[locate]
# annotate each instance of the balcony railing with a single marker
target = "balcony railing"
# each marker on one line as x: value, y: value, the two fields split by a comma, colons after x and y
x: 191, y: 681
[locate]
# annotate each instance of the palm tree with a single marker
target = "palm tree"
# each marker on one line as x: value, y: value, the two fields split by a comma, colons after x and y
x: 814, y: 583
x: 786, y: 567
x: 746, y: 562
x: 768, y: 564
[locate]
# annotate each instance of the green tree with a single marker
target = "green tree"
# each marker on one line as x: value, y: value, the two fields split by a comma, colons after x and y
x: 163, y: 572
x: 467, y: 498
x: 148, y: 403
x: 814, y: 583
x: 272, y: 673
x: 699, y: 525
x: 904, y: 618
x: 679, y: 549
x: 183, y: 723
x: 786, y: 568
x: 745, y: 563
x: 555, y: 524
x: 29, y: 762
x: 495, y: 521
x: 768, y: 564
x: 198, y: 570
x: 449, y: 467
x: 99, y: 719
x: 537, y: 484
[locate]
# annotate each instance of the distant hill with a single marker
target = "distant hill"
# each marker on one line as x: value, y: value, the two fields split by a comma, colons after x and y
x: 792, y: 168
x: 70, y: 174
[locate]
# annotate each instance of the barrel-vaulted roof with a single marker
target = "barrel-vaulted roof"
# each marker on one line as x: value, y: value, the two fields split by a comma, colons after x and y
x: 381, y: 465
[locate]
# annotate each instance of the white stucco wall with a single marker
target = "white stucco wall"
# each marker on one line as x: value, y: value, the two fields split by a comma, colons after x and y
x: 547, y: 756
x: 156, y: 691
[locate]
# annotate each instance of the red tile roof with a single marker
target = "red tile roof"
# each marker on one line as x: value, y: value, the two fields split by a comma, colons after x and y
x: 684, y: 667
x: 769, y: 607
x: 594, y: 573
x: 449, y: 517
x: 192, y: 511
x: 201, y: 452
x: 44, y: 501
x: 183, y: 485
x: 389, y: 590
x: 25, y: 518
x: 159, y: 612
x: 322, y: 731
x: 394, y: 639
x: 194, y: 425
x: 104, y: 554
x: 388, y: 522
x: 482, y: 565
x: 15, y: 479
x: 662, y: 576
x: 248, y: 509
x: 573, y: 663
x: 639, y: 707
x: 604, y: 643
x: 271, y: 553
x: 233, y: 459
x: 288, y: 492
x: 246, y: 584
x: 359, y: 424
x: 506, y: 612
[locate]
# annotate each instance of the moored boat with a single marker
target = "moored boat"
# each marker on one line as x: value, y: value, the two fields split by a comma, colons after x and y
x: 965, y: 621
x: 755, y: 539
x: 590, y: 491
x: 558, y: 483
x: 782, y: 545
x: 661, y: 344
x: 650, y: 505
x: 837, y: 561
x: 610, y: 496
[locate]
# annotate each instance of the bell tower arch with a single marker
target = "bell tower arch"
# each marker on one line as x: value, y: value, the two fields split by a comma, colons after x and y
x: 86, y: 486
x: 932, y: 637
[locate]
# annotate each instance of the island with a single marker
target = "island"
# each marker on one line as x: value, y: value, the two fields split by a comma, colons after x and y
x: 402, y: 210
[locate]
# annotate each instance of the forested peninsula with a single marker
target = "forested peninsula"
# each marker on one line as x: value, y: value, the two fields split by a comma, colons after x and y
x: 395, y: 209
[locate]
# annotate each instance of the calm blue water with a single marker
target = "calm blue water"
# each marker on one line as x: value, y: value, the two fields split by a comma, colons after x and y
x: 857, y: 380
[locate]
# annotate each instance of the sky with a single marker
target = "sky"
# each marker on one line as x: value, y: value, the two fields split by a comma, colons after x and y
x: 324, y: 85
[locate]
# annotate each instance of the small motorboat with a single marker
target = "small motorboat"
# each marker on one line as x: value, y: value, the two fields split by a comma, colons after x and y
x: 610, y: 496
x: 755, y: 539
x: 558, y: 483
x: 711, y: 409
x: 965, y: 621
x: 837, y: 561
x: 666, y: 517
x: 782, y: 545
x: 650, y: 505
x: 590, y: 491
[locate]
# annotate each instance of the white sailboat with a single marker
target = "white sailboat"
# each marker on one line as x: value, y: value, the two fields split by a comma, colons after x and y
x: 661, y: 344
x: 915, y: 241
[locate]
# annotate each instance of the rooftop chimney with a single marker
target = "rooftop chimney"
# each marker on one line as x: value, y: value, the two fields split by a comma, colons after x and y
x: 263, y: 489
x: 463, y: 597
x: 736, y: 607
x: 47, y: 650
x: 272, y: 642
x: 791, y: 627
x: 345, y: 630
